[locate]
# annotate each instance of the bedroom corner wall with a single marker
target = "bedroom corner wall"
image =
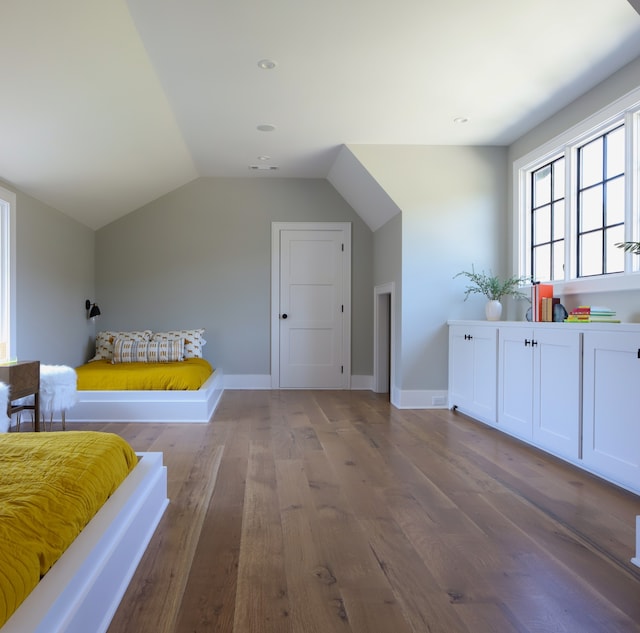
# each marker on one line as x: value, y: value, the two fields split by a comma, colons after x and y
x: 454, y: 213
x: 200, y: 256
x: 55, y: 275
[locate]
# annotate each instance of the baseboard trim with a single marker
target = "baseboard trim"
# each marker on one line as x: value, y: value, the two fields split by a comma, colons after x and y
x: 263, y: 381
x: 419, y: 398
x: 247, y: 381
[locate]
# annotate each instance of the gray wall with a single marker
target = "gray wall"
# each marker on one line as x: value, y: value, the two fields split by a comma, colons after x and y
x: 387, y: 268
x: 200, y: 256
x: 616, y: 86
x: 454, y: 213
x: 54, y: 277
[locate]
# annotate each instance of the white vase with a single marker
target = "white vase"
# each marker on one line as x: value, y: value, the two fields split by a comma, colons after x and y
x: 493, y: 310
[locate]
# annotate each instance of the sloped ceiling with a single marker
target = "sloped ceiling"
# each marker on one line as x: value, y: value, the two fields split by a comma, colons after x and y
x: 108, y: 105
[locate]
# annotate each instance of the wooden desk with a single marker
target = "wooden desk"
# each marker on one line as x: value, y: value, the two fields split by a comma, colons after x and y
x: 23, y: 378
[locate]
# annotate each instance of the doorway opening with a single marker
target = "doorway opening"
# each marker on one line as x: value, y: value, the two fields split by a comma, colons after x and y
x: 384, y: 338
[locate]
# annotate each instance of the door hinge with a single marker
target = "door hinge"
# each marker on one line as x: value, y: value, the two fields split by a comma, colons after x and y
x: 342, y: 308
x: 342, y: 248
x: 342, y: 369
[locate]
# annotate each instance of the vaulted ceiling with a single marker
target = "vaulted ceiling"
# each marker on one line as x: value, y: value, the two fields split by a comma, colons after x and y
x: 108, y: 105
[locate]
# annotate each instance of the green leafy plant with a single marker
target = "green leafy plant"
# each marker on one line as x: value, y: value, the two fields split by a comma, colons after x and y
x: 493, y: 287
x: 629, y: 247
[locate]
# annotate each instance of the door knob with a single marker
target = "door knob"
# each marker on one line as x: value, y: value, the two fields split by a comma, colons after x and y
x: 284, y: 316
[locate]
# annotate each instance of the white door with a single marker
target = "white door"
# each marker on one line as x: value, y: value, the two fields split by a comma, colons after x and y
x: 313, y: 314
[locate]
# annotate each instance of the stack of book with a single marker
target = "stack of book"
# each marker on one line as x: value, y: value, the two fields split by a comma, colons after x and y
x: 547, y: 304
x: 592, y: 314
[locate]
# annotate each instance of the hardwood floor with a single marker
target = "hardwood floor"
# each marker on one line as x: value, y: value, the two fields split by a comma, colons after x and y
x: 305, y: 512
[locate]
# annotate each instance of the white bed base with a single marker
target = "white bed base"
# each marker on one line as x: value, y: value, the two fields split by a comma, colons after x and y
x: 81, y: 592
x: 149, y: 406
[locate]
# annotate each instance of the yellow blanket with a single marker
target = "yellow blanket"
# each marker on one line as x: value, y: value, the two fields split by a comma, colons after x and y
x: 51, y: 485
x: 101, y: 375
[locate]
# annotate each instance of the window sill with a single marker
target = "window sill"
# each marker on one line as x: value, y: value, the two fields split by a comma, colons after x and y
x: 610, y: 283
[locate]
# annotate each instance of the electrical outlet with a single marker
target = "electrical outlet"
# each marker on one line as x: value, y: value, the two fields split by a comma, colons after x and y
x: 438, y: 401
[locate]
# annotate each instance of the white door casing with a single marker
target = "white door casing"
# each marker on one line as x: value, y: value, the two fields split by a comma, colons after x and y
x: 311, y: 273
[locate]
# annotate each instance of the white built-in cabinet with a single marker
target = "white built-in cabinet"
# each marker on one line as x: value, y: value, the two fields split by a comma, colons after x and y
x: 539, y: 387
x: 570, y: 389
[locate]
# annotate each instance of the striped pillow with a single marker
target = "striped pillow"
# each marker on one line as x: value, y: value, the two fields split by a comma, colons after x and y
x: 105, y: 340
x: 128, y: 351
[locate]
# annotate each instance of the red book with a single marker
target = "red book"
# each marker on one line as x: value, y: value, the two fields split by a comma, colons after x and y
x: 542, y: 291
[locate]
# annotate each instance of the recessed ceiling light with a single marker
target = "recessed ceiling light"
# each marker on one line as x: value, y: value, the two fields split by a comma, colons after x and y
x: 266, y: 127
x: 461, y: 119
x: 267, y: 64
x: 264, y: 157
x: 263, y: 167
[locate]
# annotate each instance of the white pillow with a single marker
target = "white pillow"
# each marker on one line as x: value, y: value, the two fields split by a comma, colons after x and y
x: 193, y: 340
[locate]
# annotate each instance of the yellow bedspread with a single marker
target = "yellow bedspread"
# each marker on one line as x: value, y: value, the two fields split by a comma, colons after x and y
x: 101, y: 375
x: 51, y: 485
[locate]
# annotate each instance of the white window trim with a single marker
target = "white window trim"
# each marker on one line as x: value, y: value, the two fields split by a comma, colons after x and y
x: 579, y: 133
x: 9, y: 255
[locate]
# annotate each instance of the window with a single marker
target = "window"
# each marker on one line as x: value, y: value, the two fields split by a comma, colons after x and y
x: 7, y: 275
x: 547, y: 221
x: 576, y: 198
x: 600, y: 206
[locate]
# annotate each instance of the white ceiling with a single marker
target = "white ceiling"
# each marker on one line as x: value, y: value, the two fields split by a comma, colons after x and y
x: 107, y: 105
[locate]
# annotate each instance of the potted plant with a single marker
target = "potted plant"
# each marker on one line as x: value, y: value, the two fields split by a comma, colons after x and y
x: 630, y: 247
x: 493, y: 288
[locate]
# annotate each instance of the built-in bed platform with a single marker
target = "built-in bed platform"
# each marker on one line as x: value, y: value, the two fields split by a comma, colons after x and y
x: 81, y: 592
x: 149, y: 406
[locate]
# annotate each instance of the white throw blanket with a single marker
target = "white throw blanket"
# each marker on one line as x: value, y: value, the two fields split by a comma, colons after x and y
x: 4, y: 401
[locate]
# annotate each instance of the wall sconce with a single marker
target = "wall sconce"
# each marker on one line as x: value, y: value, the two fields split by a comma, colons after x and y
x: 92, y: 309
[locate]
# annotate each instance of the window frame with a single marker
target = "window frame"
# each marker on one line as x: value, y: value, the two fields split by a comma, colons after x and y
x: 8, y: 268
x: 624, y: 110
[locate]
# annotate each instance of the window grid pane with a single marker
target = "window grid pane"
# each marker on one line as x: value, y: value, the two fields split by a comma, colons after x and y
x: 591, y: 254
x: 614, y: 257
x: 547, y: 221
x: 601, y: 204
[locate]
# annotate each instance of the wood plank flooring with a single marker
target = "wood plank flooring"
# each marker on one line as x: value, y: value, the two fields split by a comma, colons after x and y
x: 315, y: 512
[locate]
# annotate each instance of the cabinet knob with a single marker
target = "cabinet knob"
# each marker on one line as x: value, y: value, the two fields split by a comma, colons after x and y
x: 533, y: 343
x: 527, y: 342
x: 468, y: 337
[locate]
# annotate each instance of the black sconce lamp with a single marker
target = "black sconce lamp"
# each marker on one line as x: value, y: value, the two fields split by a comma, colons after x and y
x: 92, y: 309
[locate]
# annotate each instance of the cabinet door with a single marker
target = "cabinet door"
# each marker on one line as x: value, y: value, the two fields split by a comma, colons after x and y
x: 472, y: 371
x: 556, y: 391
x: 460, y: 367
x: 611, y: 402
x: 515, y: 381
